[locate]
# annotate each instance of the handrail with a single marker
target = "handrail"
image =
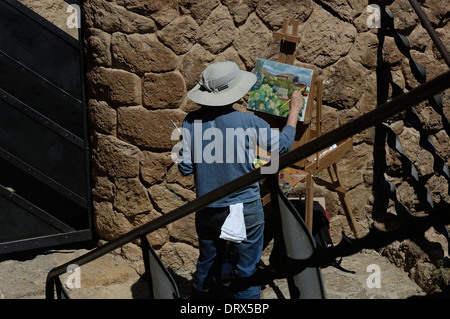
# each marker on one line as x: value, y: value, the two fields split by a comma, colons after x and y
x: 372, y: 118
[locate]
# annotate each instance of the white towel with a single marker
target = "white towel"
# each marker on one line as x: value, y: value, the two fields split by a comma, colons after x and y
x: 233, y: 228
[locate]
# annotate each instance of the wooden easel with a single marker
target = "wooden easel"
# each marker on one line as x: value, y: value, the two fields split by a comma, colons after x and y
x: 305, y: 133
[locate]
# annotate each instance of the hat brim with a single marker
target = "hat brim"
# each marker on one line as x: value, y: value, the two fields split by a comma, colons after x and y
x: 203, y: 97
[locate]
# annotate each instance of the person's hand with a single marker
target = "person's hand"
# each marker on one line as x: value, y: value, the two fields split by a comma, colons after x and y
x: 296, y: 102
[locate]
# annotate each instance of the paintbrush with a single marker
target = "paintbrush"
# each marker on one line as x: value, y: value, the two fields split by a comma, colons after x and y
x: 175, y: 126
x: 291, y: 99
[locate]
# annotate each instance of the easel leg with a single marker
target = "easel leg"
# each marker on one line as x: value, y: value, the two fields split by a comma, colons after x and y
x: 309, y: 202
x: 341, y: 191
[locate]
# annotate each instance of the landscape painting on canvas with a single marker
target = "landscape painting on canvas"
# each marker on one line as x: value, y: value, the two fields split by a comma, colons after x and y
x: 275, y: 84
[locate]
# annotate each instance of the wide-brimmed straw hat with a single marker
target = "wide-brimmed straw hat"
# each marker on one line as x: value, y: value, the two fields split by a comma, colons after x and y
x: 222, y: 83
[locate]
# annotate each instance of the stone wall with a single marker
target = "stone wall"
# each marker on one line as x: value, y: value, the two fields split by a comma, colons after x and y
x: 143, y: 57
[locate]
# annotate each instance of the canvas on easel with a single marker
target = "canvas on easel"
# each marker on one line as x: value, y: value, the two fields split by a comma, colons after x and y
x: 275, y: 84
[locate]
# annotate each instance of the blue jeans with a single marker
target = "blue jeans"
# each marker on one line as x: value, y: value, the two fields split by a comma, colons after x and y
x: 212, y: 249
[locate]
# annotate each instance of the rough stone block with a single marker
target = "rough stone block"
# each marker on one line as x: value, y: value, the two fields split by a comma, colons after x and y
x: 180, y: 35
x: 164, y: 90
x: 131, y: 197
x: 111, y: 18
x: 115, y: 86
x: 103, y: 118
x: 148, y: 129
x: 218, y: 31
x: 153, y: 166
x: 114, y: 157
x: 141, y: 53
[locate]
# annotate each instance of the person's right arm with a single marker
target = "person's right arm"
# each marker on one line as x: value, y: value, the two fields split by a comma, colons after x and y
x: 282, y: 141
x: 295, y: 107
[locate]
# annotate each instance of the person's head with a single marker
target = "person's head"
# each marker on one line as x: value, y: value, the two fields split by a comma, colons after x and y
x: 222, y: 83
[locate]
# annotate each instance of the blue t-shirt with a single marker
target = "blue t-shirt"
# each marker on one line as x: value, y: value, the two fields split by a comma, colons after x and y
x: 218, y: 145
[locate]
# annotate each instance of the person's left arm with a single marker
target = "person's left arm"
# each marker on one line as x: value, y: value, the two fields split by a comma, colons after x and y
x: 184, y: 158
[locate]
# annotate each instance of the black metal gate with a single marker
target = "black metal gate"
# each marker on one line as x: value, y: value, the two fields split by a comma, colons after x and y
x: 44, y: 155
